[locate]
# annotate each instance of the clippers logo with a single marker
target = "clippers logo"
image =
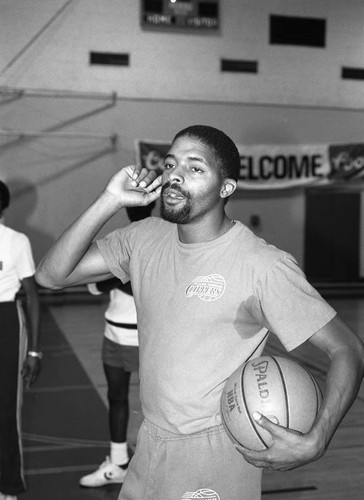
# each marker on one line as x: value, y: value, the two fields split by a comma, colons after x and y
x: 203, y: 493
x: 207, y: 288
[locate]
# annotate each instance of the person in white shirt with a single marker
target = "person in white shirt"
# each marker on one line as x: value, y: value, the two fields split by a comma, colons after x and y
x: 19, y: 346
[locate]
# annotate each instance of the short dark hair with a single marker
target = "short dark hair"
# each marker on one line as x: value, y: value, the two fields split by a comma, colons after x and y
x: 4, y: 196
x: 224, y: 148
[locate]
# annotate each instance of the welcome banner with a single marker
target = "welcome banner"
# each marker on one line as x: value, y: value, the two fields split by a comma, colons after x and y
x: 272, y: 166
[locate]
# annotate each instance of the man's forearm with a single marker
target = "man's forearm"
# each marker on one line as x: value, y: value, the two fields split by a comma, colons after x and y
x: 33, y: 314
x: 73, y: 260
x: 61, y: 260
x: 32, y: 311
x: 342, y: 385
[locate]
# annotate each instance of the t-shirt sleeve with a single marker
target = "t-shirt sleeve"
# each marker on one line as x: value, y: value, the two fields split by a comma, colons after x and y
x: 25, y: 266
x: 115, y: 250
x: 290, y: 306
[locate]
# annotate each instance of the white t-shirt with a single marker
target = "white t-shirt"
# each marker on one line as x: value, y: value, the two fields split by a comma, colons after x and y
x: 120, y: 316
x: 121, y: 310
x: 16, y: 262
x: 203, y: 310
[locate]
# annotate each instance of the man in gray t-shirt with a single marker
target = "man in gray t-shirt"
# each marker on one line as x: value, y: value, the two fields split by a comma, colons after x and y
x: 214, y: 292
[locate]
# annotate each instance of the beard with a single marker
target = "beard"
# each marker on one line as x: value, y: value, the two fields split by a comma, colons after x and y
x: 181, y: 215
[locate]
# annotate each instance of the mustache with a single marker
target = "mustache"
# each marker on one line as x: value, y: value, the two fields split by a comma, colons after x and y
x: 175, y: 187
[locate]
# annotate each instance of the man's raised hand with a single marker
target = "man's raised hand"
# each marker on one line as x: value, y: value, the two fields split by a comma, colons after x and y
x: 134, y: 186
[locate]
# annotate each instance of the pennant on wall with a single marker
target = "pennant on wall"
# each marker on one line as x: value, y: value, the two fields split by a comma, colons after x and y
x: 150, y: 154
x: 347, y: 161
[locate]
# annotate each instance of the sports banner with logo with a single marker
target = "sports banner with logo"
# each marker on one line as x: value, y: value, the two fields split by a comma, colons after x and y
x: 274, y: 166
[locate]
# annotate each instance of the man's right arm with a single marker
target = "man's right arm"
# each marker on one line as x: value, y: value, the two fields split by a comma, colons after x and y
x: 75, y: 259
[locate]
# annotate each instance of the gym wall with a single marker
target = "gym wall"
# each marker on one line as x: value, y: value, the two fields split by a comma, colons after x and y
x: 79, y: 120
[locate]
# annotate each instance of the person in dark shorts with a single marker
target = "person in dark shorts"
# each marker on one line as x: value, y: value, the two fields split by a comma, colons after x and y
x: 120, y: 357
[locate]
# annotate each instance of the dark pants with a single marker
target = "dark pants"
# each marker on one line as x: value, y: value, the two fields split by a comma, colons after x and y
x: 11, y: 471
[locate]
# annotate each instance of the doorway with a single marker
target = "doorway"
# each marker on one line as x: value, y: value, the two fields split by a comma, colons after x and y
x: 332, y: 235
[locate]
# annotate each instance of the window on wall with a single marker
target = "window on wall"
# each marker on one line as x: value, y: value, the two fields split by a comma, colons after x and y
x: 109, y: 59
x: 348, y: 73
x: 304, y: 31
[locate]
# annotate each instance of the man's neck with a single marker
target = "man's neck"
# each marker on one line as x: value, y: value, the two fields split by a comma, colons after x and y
x: 203, y: 231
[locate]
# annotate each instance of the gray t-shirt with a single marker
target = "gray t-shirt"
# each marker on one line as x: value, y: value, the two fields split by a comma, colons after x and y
x: 205, y: 308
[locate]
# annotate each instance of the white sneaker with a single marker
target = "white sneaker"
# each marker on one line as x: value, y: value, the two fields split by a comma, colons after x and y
x: 107, y: 473
x: 7, y: 497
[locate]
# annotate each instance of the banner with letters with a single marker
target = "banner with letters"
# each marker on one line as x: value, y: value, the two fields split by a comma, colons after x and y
x: 275, y: 166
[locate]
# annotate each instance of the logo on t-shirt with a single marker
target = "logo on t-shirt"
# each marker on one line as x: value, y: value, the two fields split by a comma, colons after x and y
x: 203, y: 493
x: 207, y: 288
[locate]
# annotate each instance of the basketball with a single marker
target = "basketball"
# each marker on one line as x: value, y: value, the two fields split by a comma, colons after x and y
x: 278, y: 388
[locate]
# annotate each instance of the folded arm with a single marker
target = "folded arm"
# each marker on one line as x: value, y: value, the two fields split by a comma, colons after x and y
x: 291, y: 449
x: 346, y: 353
x: 31, y: 365
x: 75, y: 259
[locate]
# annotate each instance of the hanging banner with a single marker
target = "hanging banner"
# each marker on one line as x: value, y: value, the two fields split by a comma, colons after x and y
x: 274, y: 166
x: 271, y: 166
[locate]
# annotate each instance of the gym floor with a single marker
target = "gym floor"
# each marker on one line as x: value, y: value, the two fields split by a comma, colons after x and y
x: 65, y: 414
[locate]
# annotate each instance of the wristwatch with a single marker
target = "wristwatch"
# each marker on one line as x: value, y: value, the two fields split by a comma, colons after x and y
x: 35, y: 354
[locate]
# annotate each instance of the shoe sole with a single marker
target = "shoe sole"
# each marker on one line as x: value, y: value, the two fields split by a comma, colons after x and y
x: 100, y: 485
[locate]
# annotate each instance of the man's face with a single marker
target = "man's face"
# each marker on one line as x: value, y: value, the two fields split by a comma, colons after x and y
x: 191, y: 181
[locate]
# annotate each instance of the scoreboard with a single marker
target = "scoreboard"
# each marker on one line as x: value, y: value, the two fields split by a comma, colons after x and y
x: 180, y: 14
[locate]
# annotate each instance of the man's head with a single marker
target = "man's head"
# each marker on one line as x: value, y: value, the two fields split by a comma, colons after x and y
x: 201, y: 170
x: 4, y: 197
x: 225, y: 150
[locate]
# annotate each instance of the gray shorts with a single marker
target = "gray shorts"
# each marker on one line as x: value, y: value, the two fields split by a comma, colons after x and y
x: 120, y: 356
x: 205, y: 464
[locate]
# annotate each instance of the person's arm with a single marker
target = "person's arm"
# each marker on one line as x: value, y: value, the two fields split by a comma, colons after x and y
x: 32, y: 363
x: 291, y: 449
x: 74, y: 259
